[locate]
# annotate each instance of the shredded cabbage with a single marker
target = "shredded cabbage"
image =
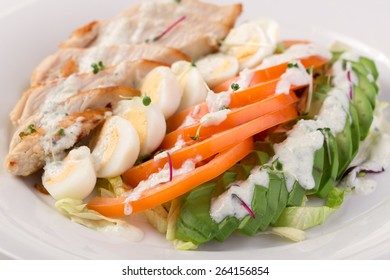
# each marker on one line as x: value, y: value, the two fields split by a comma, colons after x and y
x: 305, y: 217
x: 290, y: 233
x: 78, y: 212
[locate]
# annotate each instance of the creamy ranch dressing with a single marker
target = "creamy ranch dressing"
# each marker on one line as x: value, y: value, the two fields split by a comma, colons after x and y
x: 296, y: 153
x: 295, y: 52
x: 180, y: 143
x: 225, y: 205
x: 157, y: 178
x: 294, y: 76
x: 218, y: 103
x: 52, y: 113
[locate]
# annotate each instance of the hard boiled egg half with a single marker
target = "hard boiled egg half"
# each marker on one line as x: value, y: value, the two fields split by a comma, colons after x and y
x: 192, y: 82
x: 116, y: 147
x: 164, y: 89
x: 73, y: 177
x: 148, y: 121
x: 217, y: 68
x: 252, y: 41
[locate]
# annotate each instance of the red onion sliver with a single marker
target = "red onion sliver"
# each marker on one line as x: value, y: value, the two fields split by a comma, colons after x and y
x: 173, y: 25
x: 244, y: 205
x: 170, y: 167
x: 350, y: 84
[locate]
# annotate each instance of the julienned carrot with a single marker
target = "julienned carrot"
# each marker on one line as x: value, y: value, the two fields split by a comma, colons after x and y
x: 263, y: 84
x: 237, y: 99
x: 202, y: 150
x: 234, y: 118
x: 274, y: 72
x: 178, y: 186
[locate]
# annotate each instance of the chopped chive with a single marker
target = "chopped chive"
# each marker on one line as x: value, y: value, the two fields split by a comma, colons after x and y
x: 235, y: 86
x: 97, y: 67
x: 196, y: 136
x: 61, y: 132
x: 310, y: 70
x: 292, y: 65
x: 280, y: 47
x: 29, y: 130
x: 146, y: 100
x: 223, y: 108
x: 193, y: 64
x: 362, y: 174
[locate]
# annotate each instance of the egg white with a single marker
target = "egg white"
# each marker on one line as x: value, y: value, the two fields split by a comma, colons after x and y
x: 116, y: 148
x: 148, y: 121
x: 164, y: 89
x: 252, y: 41
x: 193, y: 85
x: 217, y: 68
x: 73, y: 177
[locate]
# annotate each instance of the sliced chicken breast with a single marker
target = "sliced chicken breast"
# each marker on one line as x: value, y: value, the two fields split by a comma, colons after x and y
x: 27, y: 154
x: 127, y: 74
x: 69, y: 61
x: 188, y: 36
x: 190, y: 29
x: 195, y: 9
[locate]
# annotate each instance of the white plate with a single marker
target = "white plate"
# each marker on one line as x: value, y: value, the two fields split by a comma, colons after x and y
x: 32, y: 229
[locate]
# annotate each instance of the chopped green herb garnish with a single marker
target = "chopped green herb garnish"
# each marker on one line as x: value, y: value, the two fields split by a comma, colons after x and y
x: 146, y: 100
x: 196, y: 136
x: 178, y: 1
x: 292, y: 65
x: 310, y: 70
x: 235, y: 86
x: 344, y: 65
x: 280, y: 47
x: 193, y: 64
x: 223, y: 108
x: 29, y: 130
x: 361, y: 174
x: 61, y: 132
x: 97, y: 67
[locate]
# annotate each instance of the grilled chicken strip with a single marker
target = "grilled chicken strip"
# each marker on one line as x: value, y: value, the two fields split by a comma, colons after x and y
x: 27, y: 154
x: 68, y: 61
x: 127, y: 74
x: 194, y: 35
x: 195, y: 9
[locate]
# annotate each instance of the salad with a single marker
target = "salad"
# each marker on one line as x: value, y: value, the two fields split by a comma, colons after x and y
x: 240, y: 140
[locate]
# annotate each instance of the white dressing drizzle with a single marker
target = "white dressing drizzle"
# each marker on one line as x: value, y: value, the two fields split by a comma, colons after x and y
x: 225, y: 205
x: 158, y: 178
x: 294, y: 76
x: 295, y: 52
